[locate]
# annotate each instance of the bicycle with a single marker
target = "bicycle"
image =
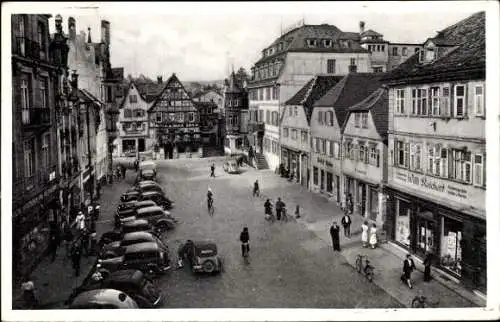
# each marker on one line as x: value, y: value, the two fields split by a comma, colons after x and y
x: 420, y: 302
x: 366, y: 269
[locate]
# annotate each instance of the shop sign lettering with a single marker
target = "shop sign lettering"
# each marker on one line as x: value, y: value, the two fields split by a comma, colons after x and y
x: 360, y: 171
x: 432, y: 184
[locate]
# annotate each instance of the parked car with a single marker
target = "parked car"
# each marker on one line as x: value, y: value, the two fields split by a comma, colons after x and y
x: 130, y: 195
x: 203, y: 257
x: 141, y: 182
x: 129, y: 210
x: 103, y: 299
x: 130, y: 239
x: 127, y: 227
x: 147, y: 170
x: 145, y: 187
x: 157, y: 217
x: 132, y: 282
x: 231, y: 166
x: 160, y: 199
x: 151, y: 258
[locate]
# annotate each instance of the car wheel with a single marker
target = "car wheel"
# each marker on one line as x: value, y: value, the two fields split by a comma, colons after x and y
x: 209, y: 266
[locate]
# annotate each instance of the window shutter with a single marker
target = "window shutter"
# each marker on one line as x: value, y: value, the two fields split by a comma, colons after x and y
x: 444, y: 162
x: 466, y: 103
x: 412, y: 156
x: 366, y: 154
x: 407, y: 154
x: 378, y: 157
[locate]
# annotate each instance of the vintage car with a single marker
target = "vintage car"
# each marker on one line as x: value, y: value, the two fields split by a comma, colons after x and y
x: 132, y: 282
x: 103, y: 299
x: 130, y: 195
x: 202, y: 257
x: 159, y: 198
x: 147, y: 170
x: 130, y: 239
x: 145, y: 187
x: 129, y: 209
x: 127, y: 227
x: 231, y: 166
x: 151, y: 258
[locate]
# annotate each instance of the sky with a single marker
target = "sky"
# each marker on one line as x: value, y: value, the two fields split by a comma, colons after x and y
x: 201, y: 41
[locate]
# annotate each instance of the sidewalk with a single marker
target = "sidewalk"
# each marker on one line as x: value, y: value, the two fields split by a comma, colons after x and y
x: 317, y: 215
x: 54, y: 281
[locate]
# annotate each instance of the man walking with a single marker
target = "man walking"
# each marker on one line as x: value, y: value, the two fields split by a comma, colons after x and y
x: 80, y: 222
x: 76, y: 255
x: 279, y: 208
x: 53, y: 243
x: 212, y: 170
x: 346, y: 223
x: 408, y: 267
x: 256, y: 190
x: 136, y: 165
x: 334, y: 233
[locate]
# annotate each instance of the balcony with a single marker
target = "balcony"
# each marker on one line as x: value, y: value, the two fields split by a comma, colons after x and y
x: 255, y: 127
x: 27, y: 48
x: 35, y: 116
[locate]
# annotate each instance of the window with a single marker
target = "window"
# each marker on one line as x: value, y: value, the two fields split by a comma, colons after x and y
x: 459, y: 100
x: 180, y: 117
x: 417, y: 50
x: 329, y: 119
x: 290, y: 111
x: 435, y: 108
x: 43, y: 92
x: 303, y: 136
x: 320, y: 117
x: 285, y: 132
x: 330, y: 66
x: 445, y: 102
x: 311, y: 42
x: 364, y: 120
x: 400, y: 101
x: 127, y: 113
x: 402, y: 154
x: 29, y: 156
x: 191, y: 116
x: 352, y: 67
x: 275, y: 147
x: 419, y: 102
x: 268, y: 117
x: 323, y: 146
x: 268, y: 93
x: 478, y: 101
x: 429, y: 54
x: 374, y: 155
x: 357, y: 119
x: 336, y: 150
x: 261, y: 94
x: 415, y: 156
x: 294, y: 134
x: 45, y: 151
x: 363, y: 153
x: 41, y: 36
x: 22, y: 33
x: 318, y: 145
x: 158, y: 117
x: 315, y: 175
x: 395, y: 51
x: 461, y: 165
x: 133, y: 98
x: 25, y: 91
x: 378, y: 69
x: 327, y: 43
x: 353, y: 61
x: 295, y: 111
x: 280, y: 46
x: 479, y: 170
x: 405, y: 51
x: 261, y: 115
x: 348, y: 150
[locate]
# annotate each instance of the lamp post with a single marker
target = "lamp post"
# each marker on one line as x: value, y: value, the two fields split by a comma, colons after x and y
x: 279, y: 122
x: 90, y: 153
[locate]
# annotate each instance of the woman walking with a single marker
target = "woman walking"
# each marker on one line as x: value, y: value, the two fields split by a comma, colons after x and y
x: 364, y: 233
x: 373, y: 236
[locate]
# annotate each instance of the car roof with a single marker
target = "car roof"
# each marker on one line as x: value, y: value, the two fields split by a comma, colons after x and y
x: 128, y: 276
x: 205, y: 244
x: 145, y: 203
x: 150, y: 193
x: 149, y: 209
x: 103, y: 296
x: 143, y: 182
x: 131, y: 192
x: 147, y: 162
x: 138, y: 235
x: 136, y: 248
x: 136, y: 222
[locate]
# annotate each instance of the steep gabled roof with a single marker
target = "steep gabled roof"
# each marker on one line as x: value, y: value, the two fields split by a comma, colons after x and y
x: 467, y: 60
x: 149, y: 91
x: 88, y: 97
x: 370, y: 32
x: 378, y: 104
x: 167, y: 84
x: 313, y: 91
x: 353, y: 88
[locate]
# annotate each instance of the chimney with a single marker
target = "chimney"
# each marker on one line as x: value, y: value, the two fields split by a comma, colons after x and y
x: 89, y: 40
x: 160, y: 79
x: 361, y: 27
x: 105, y: 32
x: 71, y: 28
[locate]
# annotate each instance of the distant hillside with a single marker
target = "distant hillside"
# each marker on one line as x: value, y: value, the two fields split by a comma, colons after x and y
x: 198, y: 86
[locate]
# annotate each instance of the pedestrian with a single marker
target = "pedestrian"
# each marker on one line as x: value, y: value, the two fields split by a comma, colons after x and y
x: 350, y: 205
x: 334, y: 233
x: 53, y: 243
x: 279, y: 208
x: 427, y: 267
x: 76, y: 255
x: 364, y: 233
x: 408, y: 267
x: 98, y: 190
x: 297, y: 211
x: 268, y: 208
x: 80, y: 222
x: 85, y: 241
x: 136, y: 165
x: 373, y: 236
x: 29, y: 295
x: 346, y: 223
x: 244, y: 239
x: 212, y: 170
x: 256, y: 190
x: 67, y: 237
x: 124, y: 170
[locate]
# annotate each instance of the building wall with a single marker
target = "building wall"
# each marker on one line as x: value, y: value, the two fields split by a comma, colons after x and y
x: 212, y: 96
x: 395, y: 60
x: 297, y: 122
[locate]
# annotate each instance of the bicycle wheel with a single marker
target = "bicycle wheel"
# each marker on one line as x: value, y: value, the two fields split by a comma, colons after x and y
x: 359, y: 264
x: 369, y: 274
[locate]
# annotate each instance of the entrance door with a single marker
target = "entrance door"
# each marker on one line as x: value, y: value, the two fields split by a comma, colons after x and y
x: 425, y: 236
x: 362, y: 199
x: 142, y: 146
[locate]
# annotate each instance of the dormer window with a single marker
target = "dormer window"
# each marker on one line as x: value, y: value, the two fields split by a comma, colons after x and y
x: 327, y: 43
x: 312, y: 42
x: 280, y: 46
x: 430, y: 54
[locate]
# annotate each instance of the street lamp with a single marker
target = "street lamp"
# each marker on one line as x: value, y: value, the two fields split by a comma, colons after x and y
x: 279, y: 122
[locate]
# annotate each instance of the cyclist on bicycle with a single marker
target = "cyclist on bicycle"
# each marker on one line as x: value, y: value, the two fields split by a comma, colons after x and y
x: 244, y: 239
x: 210, y: 200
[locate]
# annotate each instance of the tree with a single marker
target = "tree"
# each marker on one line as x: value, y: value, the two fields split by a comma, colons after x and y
x: 242, y: 75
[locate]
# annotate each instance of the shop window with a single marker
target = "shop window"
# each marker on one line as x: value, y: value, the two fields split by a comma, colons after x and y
x: 373, y: 204
x: 425, y: 232
x: 329, y: 182
x: 322, y: 180
x: 403, y: 222
x: 451, y: 250
x: 315, y: 176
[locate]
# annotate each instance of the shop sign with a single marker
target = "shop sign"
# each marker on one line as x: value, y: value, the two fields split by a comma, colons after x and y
x: 363, y: 172
x: 433, y: 185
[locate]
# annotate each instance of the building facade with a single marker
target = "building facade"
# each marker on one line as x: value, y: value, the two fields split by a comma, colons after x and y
x: 35, y: 175
x: 133, y: 125
x: 174, y: 121
x: 235, y: 116
x: 364, y: 166
x: 327, y: 119
x: 437, y: 148
x: 211, y: 96
x: 288, y: 64
x: 296, y: 118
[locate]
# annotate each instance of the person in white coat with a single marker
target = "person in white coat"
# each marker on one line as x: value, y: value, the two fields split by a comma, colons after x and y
x: 364, y: 233
x: 373, y: 236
